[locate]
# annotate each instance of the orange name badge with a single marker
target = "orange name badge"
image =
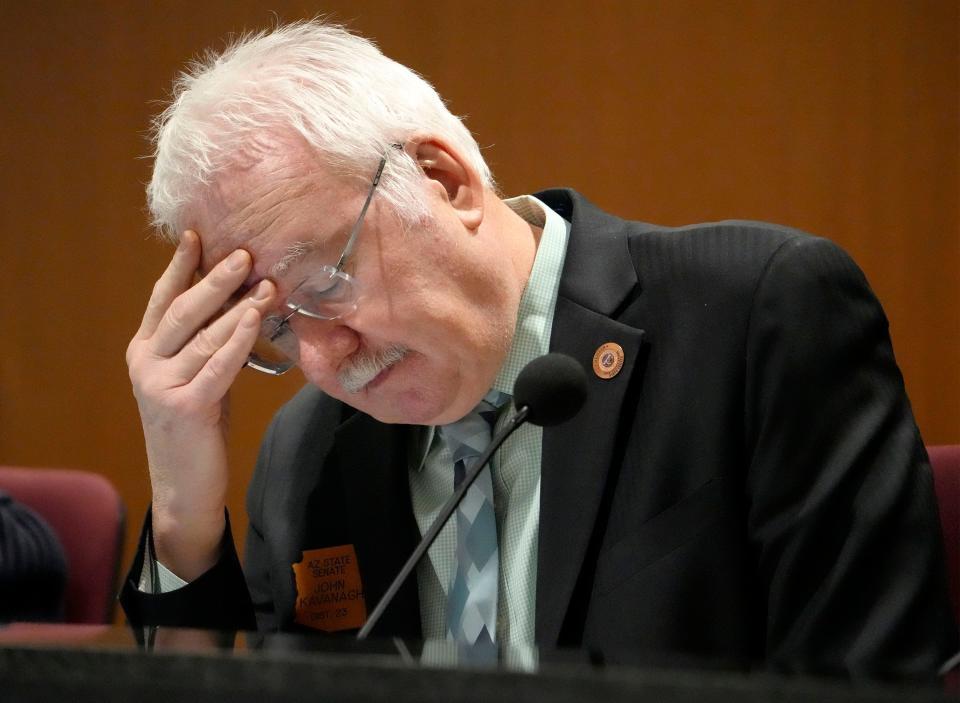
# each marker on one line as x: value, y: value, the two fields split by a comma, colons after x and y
x: 329, y: 592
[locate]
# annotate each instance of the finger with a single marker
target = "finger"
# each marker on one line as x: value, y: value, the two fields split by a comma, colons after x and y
x: 175, y: 280
x: 220, y: 371
x: 208, y: 341
x: 193, y: 308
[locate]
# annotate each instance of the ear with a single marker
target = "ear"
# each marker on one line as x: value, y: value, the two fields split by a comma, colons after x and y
x: 453, y: 177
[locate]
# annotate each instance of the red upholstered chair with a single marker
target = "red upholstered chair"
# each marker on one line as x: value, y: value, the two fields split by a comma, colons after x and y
x: 945, y: 461
x: 86, y: 512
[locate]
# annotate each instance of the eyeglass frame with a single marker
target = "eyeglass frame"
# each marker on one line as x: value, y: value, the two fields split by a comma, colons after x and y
x: 259, y: 365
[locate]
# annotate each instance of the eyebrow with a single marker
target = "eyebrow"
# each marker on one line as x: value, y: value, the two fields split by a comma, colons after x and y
x: 299, y: 250
x: 293, y: 253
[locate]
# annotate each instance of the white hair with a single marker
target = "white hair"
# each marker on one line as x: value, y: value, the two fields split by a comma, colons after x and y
x: 334, y: 89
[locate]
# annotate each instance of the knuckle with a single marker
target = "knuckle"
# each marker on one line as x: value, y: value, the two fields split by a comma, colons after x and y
x: 130, y: 353
x: 205, y: 343
x: 216, y: 369
x: 176, y: 313
x: 133, y: 372
x: 155, y: 304
x: 142, y: 377
x: 135, y: 368
x: 158, y: 296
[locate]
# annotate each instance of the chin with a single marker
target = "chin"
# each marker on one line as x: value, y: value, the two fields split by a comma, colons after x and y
x: 408, y: 407
x: 398, y: 397
x: 408, y: 393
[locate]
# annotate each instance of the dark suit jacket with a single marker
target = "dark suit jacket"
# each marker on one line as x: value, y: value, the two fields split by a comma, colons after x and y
x: 751, y: 484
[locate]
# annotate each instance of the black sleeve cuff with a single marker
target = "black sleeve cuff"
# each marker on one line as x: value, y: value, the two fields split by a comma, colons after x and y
x: 217, y: 600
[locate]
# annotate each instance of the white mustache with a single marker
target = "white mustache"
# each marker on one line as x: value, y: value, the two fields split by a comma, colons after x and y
x: 364, y: 366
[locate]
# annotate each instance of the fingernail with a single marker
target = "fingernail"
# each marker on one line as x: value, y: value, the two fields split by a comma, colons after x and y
x: 186, y: 239
x: 237, y: 260
x: 262, y: 291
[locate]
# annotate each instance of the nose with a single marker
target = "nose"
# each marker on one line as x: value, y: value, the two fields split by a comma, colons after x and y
x: 323, y: 344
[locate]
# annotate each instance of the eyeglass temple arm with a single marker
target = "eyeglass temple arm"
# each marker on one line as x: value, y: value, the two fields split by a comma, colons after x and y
x: 363, y: 213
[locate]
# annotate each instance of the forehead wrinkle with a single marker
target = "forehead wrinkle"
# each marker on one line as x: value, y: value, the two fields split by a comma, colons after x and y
x: 265, y: 208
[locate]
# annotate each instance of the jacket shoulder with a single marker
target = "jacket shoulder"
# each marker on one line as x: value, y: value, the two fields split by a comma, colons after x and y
x: 725, y: 256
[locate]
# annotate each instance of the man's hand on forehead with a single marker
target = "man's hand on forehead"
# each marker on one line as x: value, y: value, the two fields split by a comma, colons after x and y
x: 194, y: 339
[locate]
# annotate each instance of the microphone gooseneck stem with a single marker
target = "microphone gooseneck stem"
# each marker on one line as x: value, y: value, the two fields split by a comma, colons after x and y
x: 431, y: 534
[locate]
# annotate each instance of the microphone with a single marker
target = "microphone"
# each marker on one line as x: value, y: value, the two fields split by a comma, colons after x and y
x: 549, y: 390
x: 552, y: 388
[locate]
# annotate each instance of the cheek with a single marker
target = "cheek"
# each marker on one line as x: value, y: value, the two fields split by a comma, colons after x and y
x: 453, y: 323
x: 439, y: 301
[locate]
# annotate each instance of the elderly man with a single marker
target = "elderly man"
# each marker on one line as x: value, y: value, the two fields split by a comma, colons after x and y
x: 745, y: 481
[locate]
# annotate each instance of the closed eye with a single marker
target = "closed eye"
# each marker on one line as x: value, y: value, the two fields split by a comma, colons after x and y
x: 282, y: 329
x: 274, y: 327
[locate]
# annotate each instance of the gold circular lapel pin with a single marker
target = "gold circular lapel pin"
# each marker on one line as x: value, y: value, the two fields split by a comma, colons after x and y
x: 608, y: 360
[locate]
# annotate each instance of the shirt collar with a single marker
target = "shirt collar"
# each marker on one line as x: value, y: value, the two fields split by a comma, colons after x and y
x: 531, y: 338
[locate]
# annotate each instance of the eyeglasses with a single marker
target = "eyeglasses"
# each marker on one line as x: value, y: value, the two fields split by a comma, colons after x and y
x: 328, y: 294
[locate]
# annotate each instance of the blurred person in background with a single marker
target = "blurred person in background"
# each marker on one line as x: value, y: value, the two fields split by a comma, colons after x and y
x: 33, y: 567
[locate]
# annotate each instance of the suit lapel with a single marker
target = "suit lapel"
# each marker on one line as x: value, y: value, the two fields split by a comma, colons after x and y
x: 372, y: 460
x: 598, y: 280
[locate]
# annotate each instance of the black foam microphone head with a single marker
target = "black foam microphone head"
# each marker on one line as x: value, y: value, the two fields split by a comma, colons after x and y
x: 553, y: 387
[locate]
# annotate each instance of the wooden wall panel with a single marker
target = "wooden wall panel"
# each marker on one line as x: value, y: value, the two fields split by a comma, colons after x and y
x: 839, y: 118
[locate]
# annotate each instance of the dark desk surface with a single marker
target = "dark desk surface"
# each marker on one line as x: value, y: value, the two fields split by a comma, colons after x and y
x: 93, y: 663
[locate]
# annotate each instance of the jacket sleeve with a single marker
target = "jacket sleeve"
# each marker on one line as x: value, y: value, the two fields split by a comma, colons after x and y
x: 842, y: 514
x: 217, y: 600
x: 257, y: 560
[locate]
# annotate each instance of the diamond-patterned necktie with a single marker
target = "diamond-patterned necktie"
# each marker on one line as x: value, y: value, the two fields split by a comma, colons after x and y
x: 472, y: 596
